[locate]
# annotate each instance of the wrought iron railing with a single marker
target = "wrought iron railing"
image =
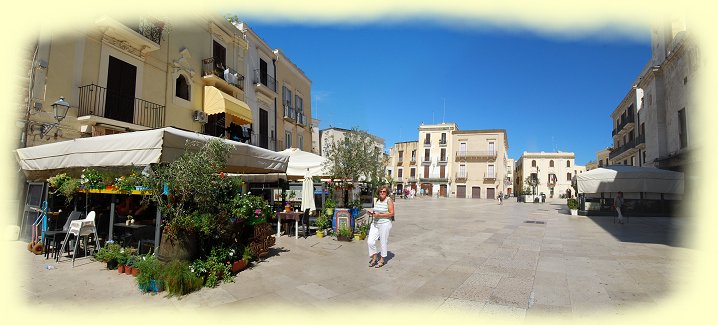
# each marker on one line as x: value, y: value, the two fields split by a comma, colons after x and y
x: 427, y: 143
x: 289, y: 112
x: 231, y: 76
x: 627, y: 146
x: 625, y: 120
x: 442, y: 142
x: 461, y: 177
x: 476, y: 154
x: 265, y: 79
x: 150, y: 28
x: 95, y: 100
x: 489, y: 175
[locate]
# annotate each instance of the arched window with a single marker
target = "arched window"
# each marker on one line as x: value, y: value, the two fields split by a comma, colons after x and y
x: 568, y: 176
x: 568, y: 163
x: 182, y: 88
x: 550, y: 163
x: 533, y: 163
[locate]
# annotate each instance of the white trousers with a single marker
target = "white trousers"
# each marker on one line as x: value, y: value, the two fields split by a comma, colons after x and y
x: 378, y: 231
x: 620, y: 215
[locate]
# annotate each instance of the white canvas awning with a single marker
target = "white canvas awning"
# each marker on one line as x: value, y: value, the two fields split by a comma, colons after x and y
x: 139, y: 148
x: 301, y: 161
x: 629, y: 179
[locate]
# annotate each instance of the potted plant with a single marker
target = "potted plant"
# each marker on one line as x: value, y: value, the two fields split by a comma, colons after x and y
x: 355, y: 206
x: 363, y: 230
x: 179, y: 279
x: 91, y: 179
x: 329, y: 205
x: 244, y: 262
x: 344, y: 233
x: 572, y: 206
x: 321, y: 222
x: 149, y: 279
x: 121, y: 260
x: 109, y: 254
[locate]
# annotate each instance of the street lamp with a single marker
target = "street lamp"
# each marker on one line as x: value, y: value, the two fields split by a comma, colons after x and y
x: 60, y: 109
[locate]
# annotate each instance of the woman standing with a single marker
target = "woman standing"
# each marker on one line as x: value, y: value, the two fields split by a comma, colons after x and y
x: 383, y: 214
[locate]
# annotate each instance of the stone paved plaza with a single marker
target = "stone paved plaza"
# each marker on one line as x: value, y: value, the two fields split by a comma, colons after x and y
x: 450, y: 254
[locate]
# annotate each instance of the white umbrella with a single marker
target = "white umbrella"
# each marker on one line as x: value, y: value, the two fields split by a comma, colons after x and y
x: 308, y: 193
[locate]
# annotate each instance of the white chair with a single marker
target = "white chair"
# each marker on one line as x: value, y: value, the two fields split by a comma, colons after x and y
x: 81, y: 228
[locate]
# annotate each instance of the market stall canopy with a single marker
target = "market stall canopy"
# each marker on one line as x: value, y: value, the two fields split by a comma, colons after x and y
x: 300, y: 161
x: 139, y: 148
x: 628, y: 179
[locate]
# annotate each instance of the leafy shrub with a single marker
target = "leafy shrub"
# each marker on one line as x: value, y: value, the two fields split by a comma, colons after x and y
x: 150, y: 269
x: 572, y: 204
x: 179, y: 280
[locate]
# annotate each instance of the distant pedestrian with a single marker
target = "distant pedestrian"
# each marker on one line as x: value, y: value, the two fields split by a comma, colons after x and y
x: 618, y: 204
x: 413, y: 193
x: 501, y: 198
x: 383, y: 215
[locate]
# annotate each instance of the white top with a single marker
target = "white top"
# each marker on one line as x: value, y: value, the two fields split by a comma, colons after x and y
x: 381, y: 207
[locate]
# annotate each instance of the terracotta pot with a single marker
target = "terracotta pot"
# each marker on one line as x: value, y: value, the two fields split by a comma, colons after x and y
x: 135, y: 271
x: 239, y: 266
x: 120, y: 268
x: 128, y: 269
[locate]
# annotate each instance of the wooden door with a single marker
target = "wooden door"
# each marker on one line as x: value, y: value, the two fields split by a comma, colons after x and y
x: 427, y: 188
x: 442, y: 190
x: 461, y: 191
x: 490, y: 193
x: 475, y: 192
x: 120, y: 98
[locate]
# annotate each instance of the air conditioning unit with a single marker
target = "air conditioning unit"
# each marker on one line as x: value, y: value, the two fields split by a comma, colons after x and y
x: 199, y: 116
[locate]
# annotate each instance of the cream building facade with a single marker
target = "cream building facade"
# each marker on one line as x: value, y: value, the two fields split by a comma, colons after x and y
x: 663, y: 98
x: 294, y: 122
x: 448, y: 162
x: 403, y: 165
x: 316, y: 149
x: 202, y: 74
x: 554, y: 170
x: 480, y: 163
x: 334, y: 134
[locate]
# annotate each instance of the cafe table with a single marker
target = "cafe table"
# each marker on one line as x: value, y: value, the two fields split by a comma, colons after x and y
x: 292, y: 215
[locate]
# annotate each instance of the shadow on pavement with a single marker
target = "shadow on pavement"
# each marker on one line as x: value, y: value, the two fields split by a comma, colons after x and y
x: 648, y: 230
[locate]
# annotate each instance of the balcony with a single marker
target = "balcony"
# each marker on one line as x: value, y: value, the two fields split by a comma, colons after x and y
x: 412, y: 161
x: 138, y: 39
x: 289, y: 113
x: 426, y: 161
x: 615, y: 153
x: 479, y: 155
x: 265, y: 79
x: 400, y: 161
x: 217, y: 74
x: 461, y: 177
x: 442, y: 143
x: 427, y: 143
x: 433, y: 179
x: 96, y: 101
x: 412, y: 179
x: 627, y: 122
x: 490, y: 177
x: 641, y: 141
x: 301, y: 119
x: 443, y: 160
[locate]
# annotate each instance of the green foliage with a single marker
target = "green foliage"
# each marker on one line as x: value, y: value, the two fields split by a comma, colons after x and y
x: 344, y: 231
x: 355, y: 157
x: 215, y: 268
x: 179, y: 279
x: 92, y: 178
x: 124, y: 255
x: 150, y: 269
x: 57, y: 180
x: 108, y: 253
x: 364, y: 228
x: 127, y: 183
x: 356, y: 204
x: 572, y: 204
x: 253, y: 209
x: 247, y: 254
x: 322, y: 221
x: 329, y: 203
x: 197, y: 185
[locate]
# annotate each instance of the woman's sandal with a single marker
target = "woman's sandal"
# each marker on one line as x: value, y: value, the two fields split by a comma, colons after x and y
x: 372, y: 263
x: 379, y: 264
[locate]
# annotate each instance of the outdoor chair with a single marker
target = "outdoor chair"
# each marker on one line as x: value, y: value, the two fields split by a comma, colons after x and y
x: 54, y: 236
x: 79, y: 229
x: 305, y: 223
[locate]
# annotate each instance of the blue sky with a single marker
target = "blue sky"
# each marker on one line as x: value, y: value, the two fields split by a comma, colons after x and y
x: 549, y: 93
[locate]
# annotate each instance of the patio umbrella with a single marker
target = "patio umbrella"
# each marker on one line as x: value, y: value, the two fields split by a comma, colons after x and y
x: 308, y: 192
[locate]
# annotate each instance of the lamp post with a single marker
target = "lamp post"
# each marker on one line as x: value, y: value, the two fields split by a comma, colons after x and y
x: 60, y: 109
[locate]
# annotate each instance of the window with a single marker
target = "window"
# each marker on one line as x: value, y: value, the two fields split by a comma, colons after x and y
x: 182, y: 88
x: 442, y: 171
x: 443, y: 138
x: 568, y: 163
x: 287, y: 96
x: 389, y: 172
x: 492, y: 147
x: 550, y: 163
x: 462, y: 170
x: 412, y: 172
x: 400, y: 172
x: 490, y: 171
x: 568, y: 177
x: 644, y: 157
x: 426, y: 171
x: 427, y: 140
x: 298, y: 104
x: 426, y: 154
x: 413, y: 155
x: 443, y: 154
x: 288, y: 139
x: 533, y: 163
x: 300, y: 142
x: 682, y: 132
x: 401, y: 155
x: 633, y: 161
